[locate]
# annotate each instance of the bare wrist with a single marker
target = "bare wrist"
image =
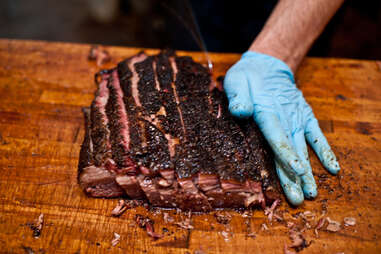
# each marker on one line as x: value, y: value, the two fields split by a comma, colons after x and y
x: 278, y: 52
x: 292, y: 28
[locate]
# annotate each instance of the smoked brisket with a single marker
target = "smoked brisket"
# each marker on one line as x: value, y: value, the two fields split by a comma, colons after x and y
x: 158, y: 130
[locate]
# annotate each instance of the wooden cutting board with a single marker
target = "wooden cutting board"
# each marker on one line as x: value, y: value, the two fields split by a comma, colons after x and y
x: 43, y: 87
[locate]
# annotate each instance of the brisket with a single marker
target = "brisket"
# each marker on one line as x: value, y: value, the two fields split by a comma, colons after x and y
x: 158, y: 130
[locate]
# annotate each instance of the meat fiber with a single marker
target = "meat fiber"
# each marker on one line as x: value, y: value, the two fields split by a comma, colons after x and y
x: 158, y: 130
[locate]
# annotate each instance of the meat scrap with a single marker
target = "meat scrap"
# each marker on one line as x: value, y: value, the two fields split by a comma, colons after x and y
x: 37, y: 226
x: 269, y: 211
x: 123, y: 205
x: 223, y: 217
x: 99, y: 54
x: 297, y: 239
x: 308, y: 215
x: 167, y: 218
x: 319, y: 225
x: 290, y: 224
x: 247, y: 214
x: 252, y: 235
x: 120, y: 208
x: 349, y: 221
x: 147, y: 223
x: 333, y: 226
x: 115, y: 240
x: 264, y: 227
x: 226, y: 235
x: 185, y: 224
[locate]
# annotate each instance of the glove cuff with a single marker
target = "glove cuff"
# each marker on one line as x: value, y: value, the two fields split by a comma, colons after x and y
x: 273, y: 60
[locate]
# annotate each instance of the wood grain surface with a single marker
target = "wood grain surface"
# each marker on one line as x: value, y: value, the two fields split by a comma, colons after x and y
x: 42, y: 89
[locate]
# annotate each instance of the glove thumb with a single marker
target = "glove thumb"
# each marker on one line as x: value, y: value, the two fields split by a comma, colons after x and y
x: 237, y: 90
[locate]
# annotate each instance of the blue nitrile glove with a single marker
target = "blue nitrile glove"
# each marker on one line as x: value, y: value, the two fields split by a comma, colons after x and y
x: 262, y: 86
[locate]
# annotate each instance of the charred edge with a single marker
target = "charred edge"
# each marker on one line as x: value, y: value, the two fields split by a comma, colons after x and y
x: 174, y: 67
x: 115, y: 126
x: 193, y: 156
x: 136, y: 132
x: 148, y: 95
x: 171, y: 123
x: 232, y: 143
x: 259, y: 159
x: 99, y: 135
x: 164, y: 72
x: 262, y: 158
x: 255, y: 141
x: 135, y: 77
x: 157, y: 156
x: 85, y: 155
x: 219, y: 142
x: 192, y: 77
x: 124, y: 74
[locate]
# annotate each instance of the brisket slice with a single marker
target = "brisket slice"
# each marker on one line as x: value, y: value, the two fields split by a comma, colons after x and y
x: 158, y: 130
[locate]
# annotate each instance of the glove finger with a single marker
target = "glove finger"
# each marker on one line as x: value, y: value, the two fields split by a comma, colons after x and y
x: 308, y: 182
x: 275, y: 135
x: 291, y: 185
x: 237, y: 90
x: 319, y: 143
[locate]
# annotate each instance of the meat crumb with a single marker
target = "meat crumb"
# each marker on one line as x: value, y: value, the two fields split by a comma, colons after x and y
x: 147, y: 223
x: 37, y: 226
x: 115, y: 240
x: 99, y: 54
x: 247, y: 214
x: 123, y: 205
x: 223, y: 217
x: 309, y: 215
x: 264, y: 227
x: 185, y: 224
x: 349, y: 221
x: 290, y: 224
x: 167, y: 218
x: 252, y: 235
x: 119, y: 209
x: 333, y: 226
x: 319, y: 225
x: 278, y: 217
x: 297, y: 239
x: 269, y: 211
x: 226, y: 235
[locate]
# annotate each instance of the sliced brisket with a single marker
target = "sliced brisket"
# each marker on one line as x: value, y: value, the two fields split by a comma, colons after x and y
x: 157, y: 131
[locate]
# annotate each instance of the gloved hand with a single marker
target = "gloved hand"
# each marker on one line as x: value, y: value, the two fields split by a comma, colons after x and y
x: 262, y: 86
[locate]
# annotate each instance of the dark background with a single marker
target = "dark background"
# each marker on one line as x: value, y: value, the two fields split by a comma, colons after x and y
x: 227, y: 26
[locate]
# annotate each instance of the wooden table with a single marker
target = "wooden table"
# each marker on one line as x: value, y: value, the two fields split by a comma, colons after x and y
x: 42, y: 89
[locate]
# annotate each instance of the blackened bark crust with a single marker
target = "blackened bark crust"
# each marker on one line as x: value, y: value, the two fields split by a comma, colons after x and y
x: 184, y: 150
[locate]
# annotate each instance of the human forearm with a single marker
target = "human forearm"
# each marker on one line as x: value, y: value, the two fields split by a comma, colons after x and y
x: 293, y: 27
